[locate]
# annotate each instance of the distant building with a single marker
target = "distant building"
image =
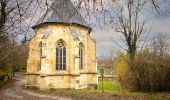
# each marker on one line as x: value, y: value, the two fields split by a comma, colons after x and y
x: 62, y: 54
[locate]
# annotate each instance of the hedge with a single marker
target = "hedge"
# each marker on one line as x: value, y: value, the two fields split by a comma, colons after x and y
x: 3, y: 77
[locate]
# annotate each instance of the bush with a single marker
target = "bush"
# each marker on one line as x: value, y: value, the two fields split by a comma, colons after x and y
x: 122, y: 67
x: 3, y: 76
x: 147, y: 72
x: 2, y: 73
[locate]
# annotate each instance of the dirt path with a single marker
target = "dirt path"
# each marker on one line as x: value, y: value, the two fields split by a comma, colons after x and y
x: 13, y: 90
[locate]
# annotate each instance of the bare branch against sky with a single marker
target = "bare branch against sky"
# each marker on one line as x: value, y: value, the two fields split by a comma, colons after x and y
x: 100, y: 14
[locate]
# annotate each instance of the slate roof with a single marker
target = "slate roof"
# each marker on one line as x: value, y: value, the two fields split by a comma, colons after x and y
x: 62, y: 11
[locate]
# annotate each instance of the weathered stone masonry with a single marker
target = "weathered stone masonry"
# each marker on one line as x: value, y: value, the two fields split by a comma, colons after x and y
x: 44, y: 68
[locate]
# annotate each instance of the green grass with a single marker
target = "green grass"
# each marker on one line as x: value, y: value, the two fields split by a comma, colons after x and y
x: 110, y: 89
x: 115, y: 88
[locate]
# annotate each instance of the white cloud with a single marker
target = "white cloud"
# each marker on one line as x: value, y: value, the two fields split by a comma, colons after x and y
x: 163, y: 25
x: 105, y: 40
x: 105, y: 43
x: 100, y: 34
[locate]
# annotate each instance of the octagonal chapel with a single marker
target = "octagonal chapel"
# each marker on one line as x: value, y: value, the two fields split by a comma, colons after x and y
x: 61, y: 53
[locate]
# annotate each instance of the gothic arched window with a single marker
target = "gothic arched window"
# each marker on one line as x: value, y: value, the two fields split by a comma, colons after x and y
x: 40, y: 46
x: 81, y: 55
x: 40, y: 55
x: 60, y: 56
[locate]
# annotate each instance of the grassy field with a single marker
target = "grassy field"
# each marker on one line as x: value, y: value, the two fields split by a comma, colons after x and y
x: 115, y: 88
x: 112, y: 91
x: 110, y: 87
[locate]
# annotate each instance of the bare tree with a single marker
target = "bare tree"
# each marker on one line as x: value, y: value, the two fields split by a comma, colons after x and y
x: 12, y: 16
x: 128, y: 21
x: 160, y: 46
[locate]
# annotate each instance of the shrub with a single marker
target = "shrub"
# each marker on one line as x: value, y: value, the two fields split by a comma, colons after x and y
x: 2, y: 73
x: 3, y: 77
x: 147, y: 72
x: 121, y: 67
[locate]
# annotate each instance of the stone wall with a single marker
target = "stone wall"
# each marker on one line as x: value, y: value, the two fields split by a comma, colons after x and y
x: 47, y: 76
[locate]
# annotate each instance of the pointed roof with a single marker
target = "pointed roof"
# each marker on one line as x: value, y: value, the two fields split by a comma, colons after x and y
x: 62, y: 11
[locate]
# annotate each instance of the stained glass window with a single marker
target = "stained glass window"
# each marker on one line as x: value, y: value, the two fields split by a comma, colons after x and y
x: 81, y: 55
x: 60, y: 56
x: 40, y: 55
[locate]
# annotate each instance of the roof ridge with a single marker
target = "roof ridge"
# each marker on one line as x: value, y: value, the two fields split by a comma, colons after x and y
x: 62, y: 11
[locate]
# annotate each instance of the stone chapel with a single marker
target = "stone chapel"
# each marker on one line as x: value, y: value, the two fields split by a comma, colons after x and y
x: 61, y: 53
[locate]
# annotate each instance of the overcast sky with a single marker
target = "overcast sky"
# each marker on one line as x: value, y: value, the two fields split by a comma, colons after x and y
x: 106, y: 36
x: 160, y: 24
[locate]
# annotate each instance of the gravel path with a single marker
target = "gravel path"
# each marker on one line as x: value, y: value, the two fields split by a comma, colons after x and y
x: 13, y: 90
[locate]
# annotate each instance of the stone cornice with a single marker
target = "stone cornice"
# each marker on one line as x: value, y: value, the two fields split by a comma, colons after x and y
x: 60, y: 74
x: 88, y: 73
x: 56, y: 74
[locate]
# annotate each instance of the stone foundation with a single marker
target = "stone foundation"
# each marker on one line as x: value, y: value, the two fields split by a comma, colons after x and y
x: 62, y: 81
